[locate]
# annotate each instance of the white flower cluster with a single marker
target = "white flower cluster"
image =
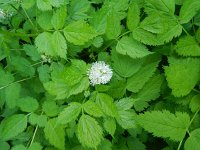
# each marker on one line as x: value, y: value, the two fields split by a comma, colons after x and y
x: 2, y: 14
x: 99, y: 73
x: 5, y: 15
x: 46, y: 58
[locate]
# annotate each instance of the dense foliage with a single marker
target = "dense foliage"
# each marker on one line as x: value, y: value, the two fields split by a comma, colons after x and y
x: 47, y: 100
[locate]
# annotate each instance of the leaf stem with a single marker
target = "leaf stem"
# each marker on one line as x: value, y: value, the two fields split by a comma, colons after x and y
x: 16, y: 82
x: 187, y: 130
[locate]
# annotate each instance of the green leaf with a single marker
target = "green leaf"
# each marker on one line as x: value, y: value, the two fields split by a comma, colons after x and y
x: 70, y: 113
x: 78, y: 10
x: 59, y: 44
x: 165, y: 124
x: 4, y: 145
x: 44, y: 43
x: 193, y: 142
x: 125, y: 103
x: 106, y: 104
x: 23, y: 66
x: 32, y: 52
x: 124, y: 65
x: 44, y: 73
x: 35, y: 146
x: 79, y: 32
x: 188, y: 10
x: 43, y: 20
x: 6, y: 78
x: 89, y: 132
x: 181, y: 77
x: 153, y: 23
x: 10, y: 96
x: 50, y: 108
x: 69, y: 80
x: 110, y: 125
x: 27, y: 104
x: 187, y: 46
x: 135, y: 144
x: 160, y: 6
x: 99, y: 19
x: 58, y: 3
x: 132, y: 48
x: 113, y: 27
x: 55, y: 134
x: 195, y: 103
x: 44, y: 5
x: 19, y: 147
x: 40, y: 120
x: 58, y: 18
x: 150, y: 91
x: 126, y: 119
x: 12, y: 126
x: 133, y: 16
x: 137, y: 81
x: 92, y: 108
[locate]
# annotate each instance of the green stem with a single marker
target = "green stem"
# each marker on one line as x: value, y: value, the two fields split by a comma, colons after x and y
x: 16, y: 82
x: 187, y: 130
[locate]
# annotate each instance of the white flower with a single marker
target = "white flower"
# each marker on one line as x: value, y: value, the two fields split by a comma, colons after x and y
x: 99, y: 73
x: 2, y: 14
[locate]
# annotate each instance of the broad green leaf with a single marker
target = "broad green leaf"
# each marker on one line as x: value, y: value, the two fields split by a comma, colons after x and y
x: 27, y: 4
x: 44, y: 5
x: 135, y: 144
x: 70, y: 113
x: 35, y: 146
x: 32, y: 52
x: 137, y: 81
x: 165, y: 124
x: 92, y: 108
x: 160, y: 6
x: 195, y: 103
x: 150, y: 91
x: 99, y: 19
x: 44, y: 73
x: 187, y: 46
x: 23, y: 66
x: 4, y: 145
x: 12, y: 93
x: 50, y: 108
x: 193, y: 141
x: 113, y: 26
x: 19, y: 147
x: 58, y: 3
x: 69, y: 80
x: 153, y: 23
x: 44, y: 43
x: 6, y: 78
x: 89, y: 132
x: 126, y: 119
x: 27, y: 104
x: 43, y: 20
x: 110, y: 125
x: 124, y: 65
x: 78, y: 10
x: 40, y: 120
x: 107, y: 105
x: 133, y: 16
x: 125, y: 103
x: 58, y: 18
x: 188, y: 10
x: 181, y: 77
x: 12, y: 126
x: 131, y: 47
x: 59, y: 44
x: 55, y: 134
x: 79, y: 32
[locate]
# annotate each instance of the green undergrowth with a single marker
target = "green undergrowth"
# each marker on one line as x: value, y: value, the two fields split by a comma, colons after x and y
x: 47, y: 101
